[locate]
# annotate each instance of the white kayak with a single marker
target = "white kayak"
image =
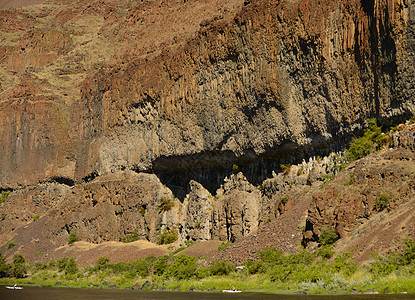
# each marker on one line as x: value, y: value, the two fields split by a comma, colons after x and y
x: 231, y: 291
x: 14, y: 287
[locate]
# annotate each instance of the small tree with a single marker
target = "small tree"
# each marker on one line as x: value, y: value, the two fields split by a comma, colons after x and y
x: 71, y: 267
x: 62, y: 262
x: 160, y: 265
x: 131, y: 237
x: 221, y: 267
x: 5, y: 268
x: 102, y: 261
x: 285, y: 168
x: 362, y: 146
x: 183, y: 267
x: 382, y: 202
x: 223, y: 245
x: 408, y: 256
x: 328, y: 236
x: 4, y: 196
x: 19, y: 266
x: 73, y: 237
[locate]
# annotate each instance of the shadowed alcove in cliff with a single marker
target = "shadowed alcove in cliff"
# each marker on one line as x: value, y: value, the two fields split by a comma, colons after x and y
x: 210, y: 168
x: 368, y: 7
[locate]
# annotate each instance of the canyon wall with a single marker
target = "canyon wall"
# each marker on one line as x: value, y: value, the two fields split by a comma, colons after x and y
x: 279, y: 80
x: 94, y: 143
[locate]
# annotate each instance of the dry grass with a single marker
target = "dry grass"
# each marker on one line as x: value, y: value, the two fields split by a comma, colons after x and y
x: 88, y: 253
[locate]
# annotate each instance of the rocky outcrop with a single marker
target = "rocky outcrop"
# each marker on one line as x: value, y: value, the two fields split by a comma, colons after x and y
x: 384, y: 181
x: 236, y: 212
x: 196, y: 214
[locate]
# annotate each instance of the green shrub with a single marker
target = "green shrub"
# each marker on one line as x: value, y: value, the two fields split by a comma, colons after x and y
x: 167, y: 236
x: 384, y: 265
x: 271, y: 256
x: 351, y: 179
x: 408, y: 256
x: 183, y: 267
x: 35, y: 217
x: 253, y: 266
x: 160, y: 265
x: 328, y: 177
x: 11, y: 245
x: 224, y: 245
x: 52, y: 265
x: 325, y: 252
x: 382, y: 202
x: 362, y: 146
x: 4, y: 196
x: 298, y: 267
x: 38, y: 266
x: 19, y: 266
x: 5, y: 268
x: 71, y: 267
x: 328, y: 236
x: 284, y: 200
x: 139, y: 267
x: 344, y: 263
x: 165, y: 204
x: 303, y: 256
x: 102, y: 262
x: 62, y: 262
x: 235, y: 168
x: 73, y: 237
x: 285, y: 168
x: 131, y: 237
x: 119, y: 267
x: 221, y: 267
x: 267, y: 221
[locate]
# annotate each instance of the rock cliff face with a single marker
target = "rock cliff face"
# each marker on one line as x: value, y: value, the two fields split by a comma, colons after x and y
x: 110, y: 108
x: 279, y: 79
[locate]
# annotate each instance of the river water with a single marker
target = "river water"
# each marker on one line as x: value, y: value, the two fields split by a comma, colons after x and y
x: 36, y: 293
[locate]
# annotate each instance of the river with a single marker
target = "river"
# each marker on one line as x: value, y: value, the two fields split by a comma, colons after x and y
x: 37, y: 293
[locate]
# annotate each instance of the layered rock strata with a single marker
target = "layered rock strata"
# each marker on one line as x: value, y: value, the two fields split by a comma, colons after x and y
x: 95, y: 144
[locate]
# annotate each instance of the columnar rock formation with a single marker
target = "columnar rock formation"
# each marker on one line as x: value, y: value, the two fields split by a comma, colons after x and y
x: 107, y: 109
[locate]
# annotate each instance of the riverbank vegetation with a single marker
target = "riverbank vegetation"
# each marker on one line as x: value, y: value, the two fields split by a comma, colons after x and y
x: 319, y: 272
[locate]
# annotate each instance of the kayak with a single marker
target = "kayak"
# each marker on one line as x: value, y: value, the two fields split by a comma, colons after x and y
x: 231, y: 291
x: 15, y: 287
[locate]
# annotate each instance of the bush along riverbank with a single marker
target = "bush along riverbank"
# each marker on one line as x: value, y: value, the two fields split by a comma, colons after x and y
x: 319, y: 272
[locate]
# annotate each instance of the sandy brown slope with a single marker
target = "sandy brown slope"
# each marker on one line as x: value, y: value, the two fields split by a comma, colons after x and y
x: 34, y: 246
x: 383, y: 233
x: 7, y: 4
